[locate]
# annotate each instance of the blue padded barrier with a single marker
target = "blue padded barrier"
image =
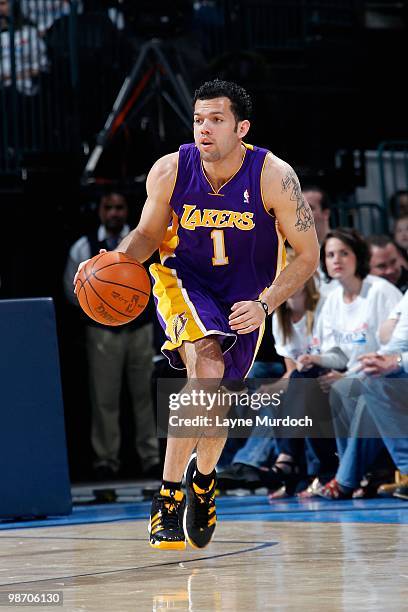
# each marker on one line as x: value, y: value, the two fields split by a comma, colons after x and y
x: 34, y: 477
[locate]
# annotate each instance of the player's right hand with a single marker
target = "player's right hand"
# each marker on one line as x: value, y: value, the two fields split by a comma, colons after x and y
x: 81, y: 265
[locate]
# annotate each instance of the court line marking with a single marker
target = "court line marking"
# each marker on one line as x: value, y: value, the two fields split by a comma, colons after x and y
x: 115, y: 539
x: 309, y: 511
x: 262, y: 546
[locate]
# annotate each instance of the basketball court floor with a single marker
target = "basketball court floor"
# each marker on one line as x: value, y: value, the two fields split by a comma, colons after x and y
x: 284, y: 555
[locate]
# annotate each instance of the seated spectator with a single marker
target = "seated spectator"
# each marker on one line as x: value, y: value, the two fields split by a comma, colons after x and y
x: 379, y: 413
x: 350, y: 319
x: 385, y: 400
x: 387, y: 262
x: 401, y: 236
x: 30, y: 53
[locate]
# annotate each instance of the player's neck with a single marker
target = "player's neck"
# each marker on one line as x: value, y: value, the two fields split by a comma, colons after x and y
x: 221, y: 171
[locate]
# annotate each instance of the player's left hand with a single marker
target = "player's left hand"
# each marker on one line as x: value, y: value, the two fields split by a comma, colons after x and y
x: 245, y: 317
x: 326, y: 380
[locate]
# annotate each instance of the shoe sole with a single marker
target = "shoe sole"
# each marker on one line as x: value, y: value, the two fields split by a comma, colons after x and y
x: 162, y: 545
x: 168, y: 545
x: 189, y: 540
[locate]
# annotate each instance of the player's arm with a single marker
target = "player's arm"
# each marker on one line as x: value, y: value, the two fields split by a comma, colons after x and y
x: 283, y: 196
x: 146, y: 238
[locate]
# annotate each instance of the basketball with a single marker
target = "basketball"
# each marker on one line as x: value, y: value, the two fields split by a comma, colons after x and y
x: 112, y: 288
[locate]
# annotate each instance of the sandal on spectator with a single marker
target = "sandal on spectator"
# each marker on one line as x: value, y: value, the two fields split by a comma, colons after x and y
x: 311, y: 491
x: 276, y: 477
x: 333, y: 491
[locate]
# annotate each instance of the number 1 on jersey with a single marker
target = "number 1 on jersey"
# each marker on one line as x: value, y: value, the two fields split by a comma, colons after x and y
x: 219, y: 259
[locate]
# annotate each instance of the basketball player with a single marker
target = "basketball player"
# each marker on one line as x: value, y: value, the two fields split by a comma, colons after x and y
x: 219, y: 210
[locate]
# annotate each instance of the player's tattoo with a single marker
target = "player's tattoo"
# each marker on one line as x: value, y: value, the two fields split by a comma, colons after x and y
x: 304, y: 216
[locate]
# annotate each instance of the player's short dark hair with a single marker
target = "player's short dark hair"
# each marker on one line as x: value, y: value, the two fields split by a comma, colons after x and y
x: 241, y: 103
x: 353, y: 239
x: 325, y: 202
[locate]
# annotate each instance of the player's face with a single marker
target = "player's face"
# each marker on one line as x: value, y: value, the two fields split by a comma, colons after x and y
x: 386, y: 262
x: 216, y: 131
x: 341, y: 262
x: 113, y: 212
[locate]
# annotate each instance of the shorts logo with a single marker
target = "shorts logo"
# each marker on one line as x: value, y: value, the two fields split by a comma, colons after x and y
x: 246, y: 196
x: 179, y: 324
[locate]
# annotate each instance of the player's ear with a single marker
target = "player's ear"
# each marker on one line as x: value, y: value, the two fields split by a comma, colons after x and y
x: 243, y: 128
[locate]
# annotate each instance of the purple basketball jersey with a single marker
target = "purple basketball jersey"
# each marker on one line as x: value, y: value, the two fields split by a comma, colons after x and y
x: 224, y: 241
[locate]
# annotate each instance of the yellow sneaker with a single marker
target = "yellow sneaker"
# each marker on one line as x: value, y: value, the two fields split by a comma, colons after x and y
x: 199, y: 516
x: 166, y: 520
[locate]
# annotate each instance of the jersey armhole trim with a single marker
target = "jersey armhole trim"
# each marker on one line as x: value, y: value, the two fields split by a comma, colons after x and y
x: 261, y: 190
x: 175, y: 179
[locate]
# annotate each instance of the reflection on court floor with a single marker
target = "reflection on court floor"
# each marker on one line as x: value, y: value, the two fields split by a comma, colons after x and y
x: 312, y: 555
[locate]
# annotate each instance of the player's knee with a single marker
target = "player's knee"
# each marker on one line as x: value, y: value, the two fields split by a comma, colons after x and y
x: 205, y: 360
x: 210, y: 371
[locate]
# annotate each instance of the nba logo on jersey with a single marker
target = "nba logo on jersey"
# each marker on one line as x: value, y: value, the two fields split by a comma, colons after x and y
x: 246, y: 196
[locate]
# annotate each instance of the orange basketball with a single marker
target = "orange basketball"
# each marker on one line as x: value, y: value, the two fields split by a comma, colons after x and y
x: 112, y: 288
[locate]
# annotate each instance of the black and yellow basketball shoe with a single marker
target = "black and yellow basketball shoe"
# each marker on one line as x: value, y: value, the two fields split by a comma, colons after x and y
x: 199, y: 516
x: 166, y: 520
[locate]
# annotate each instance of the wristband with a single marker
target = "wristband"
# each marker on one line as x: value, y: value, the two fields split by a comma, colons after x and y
x: 264, y: 306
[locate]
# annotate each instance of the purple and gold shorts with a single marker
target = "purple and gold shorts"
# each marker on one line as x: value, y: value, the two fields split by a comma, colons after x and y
x: 189, y: 315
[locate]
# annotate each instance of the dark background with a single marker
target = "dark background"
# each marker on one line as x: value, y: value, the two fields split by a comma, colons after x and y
x: 326, y: 77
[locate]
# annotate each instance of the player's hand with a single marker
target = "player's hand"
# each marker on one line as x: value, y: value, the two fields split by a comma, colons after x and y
x: 245, y: 317
x: 379, y: 365
x: 81, y: 265
x: 326, y: 380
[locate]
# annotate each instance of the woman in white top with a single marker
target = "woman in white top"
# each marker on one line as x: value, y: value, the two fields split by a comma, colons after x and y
x: 353, y: 312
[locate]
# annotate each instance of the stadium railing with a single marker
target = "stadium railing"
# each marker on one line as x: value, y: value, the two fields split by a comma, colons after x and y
x: 366, y: 217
